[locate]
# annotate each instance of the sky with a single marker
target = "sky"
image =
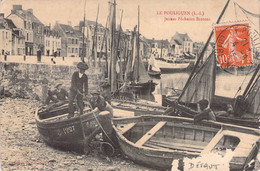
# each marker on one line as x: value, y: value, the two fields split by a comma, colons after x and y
x: 156, y: 17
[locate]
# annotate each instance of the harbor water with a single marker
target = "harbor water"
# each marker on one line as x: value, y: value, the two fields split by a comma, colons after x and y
x: 228, y: 84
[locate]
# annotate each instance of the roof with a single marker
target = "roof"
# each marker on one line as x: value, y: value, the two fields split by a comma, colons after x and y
x: 179, y: 38
x: 10, y: 23
x: 24, y: 14
x: 68, y: 30
x: 88, y: 22
x: 7, y: 24
x: 47, y: 31
x: 164, y: 43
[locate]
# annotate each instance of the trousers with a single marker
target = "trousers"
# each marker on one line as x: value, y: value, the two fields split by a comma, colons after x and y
x: 72, y: 96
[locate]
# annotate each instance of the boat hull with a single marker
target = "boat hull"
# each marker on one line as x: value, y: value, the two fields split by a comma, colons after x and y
x: 155, y: 74
x: 67, y: 134
x: 135, y: 145
x: 149, y: 157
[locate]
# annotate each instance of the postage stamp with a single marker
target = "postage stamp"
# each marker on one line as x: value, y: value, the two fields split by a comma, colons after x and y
x: 233, y: 45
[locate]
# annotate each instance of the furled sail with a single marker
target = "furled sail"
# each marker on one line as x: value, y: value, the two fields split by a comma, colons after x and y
x: 202, y: 85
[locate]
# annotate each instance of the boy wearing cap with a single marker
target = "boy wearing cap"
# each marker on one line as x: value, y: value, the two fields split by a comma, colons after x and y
x: 204, y: 112
x: 78, y: 89
x: 61, y: 94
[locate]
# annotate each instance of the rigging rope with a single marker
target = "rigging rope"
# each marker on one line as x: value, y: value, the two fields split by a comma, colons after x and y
x: 245, y: 11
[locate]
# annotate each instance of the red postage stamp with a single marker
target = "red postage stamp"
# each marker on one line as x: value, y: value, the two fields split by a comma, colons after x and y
x: 233, y: 45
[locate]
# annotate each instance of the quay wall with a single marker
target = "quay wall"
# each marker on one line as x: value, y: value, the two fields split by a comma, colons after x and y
x: 31, y: 76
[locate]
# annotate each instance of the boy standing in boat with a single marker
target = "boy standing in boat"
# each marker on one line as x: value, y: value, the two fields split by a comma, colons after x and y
x: 204, y: 112
x: 78, y: 89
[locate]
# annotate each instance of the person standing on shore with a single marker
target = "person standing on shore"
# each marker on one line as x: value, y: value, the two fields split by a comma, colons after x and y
x: 79, y: 88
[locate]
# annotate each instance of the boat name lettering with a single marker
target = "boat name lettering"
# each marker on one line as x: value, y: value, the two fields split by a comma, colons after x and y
x: 200, y: 165
x: 69, y: 129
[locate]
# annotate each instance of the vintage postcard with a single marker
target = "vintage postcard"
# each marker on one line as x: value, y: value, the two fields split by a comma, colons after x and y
x: 130, y: 85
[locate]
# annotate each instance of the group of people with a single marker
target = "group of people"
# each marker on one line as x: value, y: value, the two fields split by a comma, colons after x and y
x: 79, y: 92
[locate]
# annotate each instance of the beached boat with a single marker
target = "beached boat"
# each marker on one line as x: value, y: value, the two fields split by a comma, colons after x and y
x: 68, y: 134
x: 155, y: 141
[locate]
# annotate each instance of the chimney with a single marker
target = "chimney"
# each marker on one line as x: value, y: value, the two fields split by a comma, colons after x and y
x: 2, y: 16
x: 17, y: 7
x: 69, y: 23
x: 30, y: 10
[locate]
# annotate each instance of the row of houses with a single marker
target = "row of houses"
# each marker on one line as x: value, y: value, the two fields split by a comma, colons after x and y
x: 22, y: 33
x: 180, y: 45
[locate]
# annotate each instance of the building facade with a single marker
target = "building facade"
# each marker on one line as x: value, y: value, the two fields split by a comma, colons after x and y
x: 5, y: 36
x: 89, y: 32
x: 69, y: 40
x: 159, y: 48
x: 181, y: 43
x: 31, y: 28
x: 52, y: 42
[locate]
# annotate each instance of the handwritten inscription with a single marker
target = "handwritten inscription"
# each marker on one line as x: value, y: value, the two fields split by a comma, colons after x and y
x: 201, y: 165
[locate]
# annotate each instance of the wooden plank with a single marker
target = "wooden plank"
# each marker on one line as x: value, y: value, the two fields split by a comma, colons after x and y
x: 175, y: 144
x: 150, y: 133
x: 174, y: 147
x: 126, y: 127
x: 56, y: 117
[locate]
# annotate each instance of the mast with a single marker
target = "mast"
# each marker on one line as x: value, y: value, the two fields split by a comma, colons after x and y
x: 251, y: 80
x: 84, y: 25
x: 202, y: 53
x: 94, y: 45
x: 161, y: 48
x: 103, y: 40
x: 113, y: 54
x: 138, y: 44
x: 119, y: 36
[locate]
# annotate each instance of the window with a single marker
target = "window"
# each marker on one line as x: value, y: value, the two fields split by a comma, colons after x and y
x: 72, y: 50
x: 46, y: 43
x: 76, y: 41
x: 69, y: 50
x: 76, y: 50
x: 72, y: 41
x: 6, y: 35
x: 27, y: 36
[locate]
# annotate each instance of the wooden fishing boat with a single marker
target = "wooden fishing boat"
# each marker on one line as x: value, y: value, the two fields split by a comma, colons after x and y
x: 166, y: 67
x: 137, y: 108
x: 156, y: 141
x: 68, y: 134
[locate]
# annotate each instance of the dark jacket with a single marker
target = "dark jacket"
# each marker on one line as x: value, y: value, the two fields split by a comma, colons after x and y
x: 61, y: 95
x: 80, y: 84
